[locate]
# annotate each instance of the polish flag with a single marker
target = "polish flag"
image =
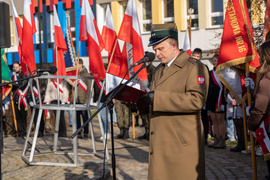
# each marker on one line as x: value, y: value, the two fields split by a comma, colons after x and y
x: 131, y: 34
x: 28, y: 30
x: 89, y: 31
x: 18, y: 28
x: 110, y: 38
x: 18, y: 34
x: 186, y: 46
x: 60, y: 46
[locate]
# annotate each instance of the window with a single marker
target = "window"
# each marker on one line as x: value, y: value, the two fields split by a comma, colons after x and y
x: 216, y: 13
x: 146, y: 15
x: 168, y: 11
x: 51, y: 32
x: 37, y: 28
x: 192, y: 12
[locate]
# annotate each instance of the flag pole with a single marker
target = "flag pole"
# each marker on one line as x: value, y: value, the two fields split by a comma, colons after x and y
x: 254, y: 166
x: 133, y: 125
x: 77, y: 63
x: 109, y: 62
x: 57, y: 79
x: 190, y: 12
x: 14, y: 115
x: 245, y: 126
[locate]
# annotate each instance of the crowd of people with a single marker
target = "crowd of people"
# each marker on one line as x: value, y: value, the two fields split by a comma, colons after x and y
x: 181, y: 117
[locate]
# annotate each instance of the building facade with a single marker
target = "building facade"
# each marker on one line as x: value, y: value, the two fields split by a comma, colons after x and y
x: 205, y: 16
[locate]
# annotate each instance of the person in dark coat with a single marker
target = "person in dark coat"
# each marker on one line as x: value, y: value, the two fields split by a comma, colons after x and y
x: 84, y: 88
x: 20, y: 90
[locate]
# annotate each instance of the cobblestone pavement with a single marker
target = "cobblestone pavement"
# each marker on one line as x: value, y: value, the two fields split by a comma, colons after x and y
x: 131, y: 160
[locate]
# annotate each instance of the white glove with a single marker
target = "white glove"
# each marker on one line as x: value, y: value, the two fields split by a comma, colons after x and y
x: 31, y: 103
x: 249, y: 83
x: 6, y: 107
x: 247, y: 110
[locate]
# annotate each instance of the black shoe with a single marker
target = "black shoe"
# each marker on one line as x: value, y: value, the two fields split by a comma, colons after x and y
x: 80, y: 136
x: 85, y: 136
x: 145, y: 136
x: 238, y: 148
x: 40, y: 134
x: 142, y: 125
x: 142, y: 137
x: 126, y: 134
x: 121, y: 135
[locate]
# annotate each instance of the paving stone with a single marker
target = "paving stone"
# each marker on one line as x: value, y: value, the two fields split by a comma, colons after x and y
x: 131, y: 160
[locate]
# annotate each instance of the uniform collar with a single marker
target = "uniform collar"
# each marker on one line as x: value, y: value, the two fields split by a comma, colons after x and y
x: 184, y: 57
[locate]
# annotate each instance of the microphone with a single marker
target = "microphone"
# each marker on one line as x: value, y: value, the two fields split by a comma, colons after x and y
x: 51, y: 70
x: 148, y: 57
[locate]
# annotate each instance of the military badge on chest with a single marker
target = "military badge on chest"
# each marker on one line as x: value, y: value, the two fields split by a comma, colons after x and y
x: 201, y: 80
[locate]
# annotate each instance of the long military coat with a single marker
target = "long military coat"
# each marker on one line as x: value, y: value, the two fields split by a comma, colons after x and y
x: 176, y: 149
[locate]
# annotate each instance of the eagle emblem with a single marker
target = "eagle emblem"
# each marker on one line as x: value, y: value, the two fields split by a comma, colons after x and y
x: 201, y: 80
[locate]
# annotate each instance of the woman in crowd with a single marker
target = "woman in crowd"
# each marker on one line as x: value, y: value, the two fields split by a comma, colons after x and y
x: 259, y: 118
x: 216, y: 106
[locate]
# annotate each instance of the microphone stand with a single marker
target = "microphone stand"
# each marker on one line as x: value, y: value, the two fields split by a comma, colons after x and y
x: 109, y: 103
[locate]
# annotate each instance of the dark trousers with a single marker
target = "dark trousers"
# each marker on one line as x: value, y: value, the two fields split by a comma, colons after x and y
x: 85, y: 118
x: 21, y: 118
x: 205, y: 122
x: 62, y: 123
x: 41, y: 127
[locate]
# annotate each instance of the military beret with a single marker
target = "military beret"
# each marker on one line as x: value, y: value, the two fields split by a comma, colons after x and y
x: 161, y: 32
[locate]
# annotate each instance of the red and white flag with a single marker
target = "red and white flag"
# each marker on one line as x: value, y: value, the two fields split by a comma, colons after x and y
x: 237, y: 39
x: 60, y: 47
x: 131, y: 34
x: 262, y: 136
x: 28, y: 30
x: 186, y: 46
x: 18, y: 28
x: 109, y: 38
x: 89, y: 31
x: 18, y: 34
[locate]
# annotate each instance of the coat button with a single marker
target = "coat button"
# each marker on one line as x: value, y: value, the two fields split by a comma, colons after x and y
x: 151, y: 153
x: 152, y: 132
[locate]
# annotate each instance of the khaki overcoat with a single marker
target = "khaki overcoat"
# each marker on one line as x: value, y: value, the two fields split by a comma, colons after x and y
x: 176, y: 149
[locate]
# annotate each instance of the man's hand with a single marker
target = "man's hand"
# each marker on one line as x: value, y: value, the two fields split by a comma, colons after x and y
x: 249, y: 83
x: 148, y: 97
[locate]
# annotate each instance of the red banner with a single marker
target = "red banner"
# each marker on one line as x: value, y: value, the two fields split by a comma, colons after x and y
x: 237, y: 46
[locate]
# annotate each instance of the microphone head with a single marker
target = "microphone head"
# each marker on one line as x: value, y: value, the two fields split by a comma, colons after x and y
x: 151, y: 56
x: 53, y: 69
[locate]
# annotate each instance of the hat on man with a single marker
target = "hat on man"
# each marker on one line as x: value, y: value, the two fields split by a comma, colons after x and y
x: 161, y: 32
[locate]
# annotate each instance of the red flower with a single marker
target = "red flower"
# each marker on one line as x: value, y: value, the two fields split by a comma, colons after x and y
x: 260, y: 134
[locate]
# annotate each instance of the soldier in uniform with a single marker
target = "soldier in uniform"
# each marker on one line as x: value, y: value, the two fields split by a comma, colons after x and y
x: 122, y: 116
x: 179, y: 90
